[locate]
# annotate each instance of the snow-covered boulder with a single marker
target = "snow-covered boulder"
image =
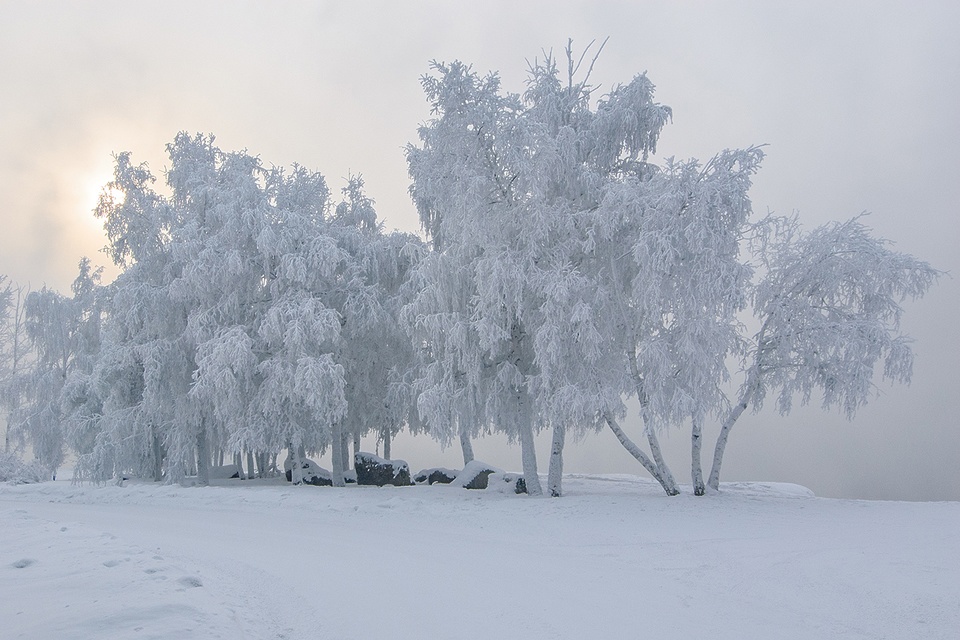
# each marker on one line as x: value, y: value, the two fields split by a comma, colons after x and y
x: 475, y: 475
x: 312, y: 473
x: 507, y: 482
x: 440, y: 475
x: 373, y: 470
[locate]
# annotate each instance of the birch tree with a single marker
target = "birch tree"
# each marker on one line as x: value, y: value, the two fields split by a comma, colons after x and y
x: 64, y: 334
x: 561, y: 249
x: 14, y: 353
x: 829, y: 310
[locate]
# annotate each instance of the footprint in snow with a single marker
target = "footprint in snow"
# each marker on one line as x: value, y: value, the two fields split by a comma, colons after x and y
x: 190, y: 582
x: 23, y: 563
x: 113, y: 563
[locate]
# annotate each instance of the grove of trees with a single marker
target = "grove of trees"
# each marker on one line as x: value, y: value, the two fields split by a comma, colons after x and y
x: 562, y: 276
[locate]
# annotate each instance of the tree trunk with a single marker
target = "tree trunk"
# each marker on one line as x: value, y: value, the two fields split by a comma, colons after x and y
x: 529, y: 456
x: 466, y: 447
x: 345, y: 451
x: 296, y: 469
x: 203, y: 457
x: 555, y: 476
x: 157, y: 451
x: 669, y: 483
x: 262, y: 464
x: 356, y: 447
x: 638, y: 453
x: 386, y: 443
x: 665, y: 476
x: 251, y: 474
x: 696, y: 469
x: 336, y: 455
x: 714, y: 481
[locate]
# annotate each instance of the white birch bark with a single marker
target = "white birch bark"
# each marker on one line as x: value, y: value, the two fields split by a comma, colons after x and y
x: 466, y: 446
x: 336, y: 454
x: 555, y: 474
x: 296, y: 472
x: 157, y: 451
x: 345, y: 451
x: 669, y: 484
x: 203, y: 457
x: 529, y: 456
x: 696, y: 468
x: 636, y: 452
x: 665, y: 477
x: 714, y: 481
x: 386, y: 444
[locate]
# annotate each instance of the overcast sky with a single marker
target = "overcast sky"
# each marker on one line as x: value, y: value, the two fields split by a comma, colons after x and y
x: 857, y: 101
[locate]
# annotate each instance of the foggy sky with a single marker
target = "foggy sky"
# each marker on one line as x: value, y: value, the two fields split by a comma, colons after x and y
x: 856, y: 100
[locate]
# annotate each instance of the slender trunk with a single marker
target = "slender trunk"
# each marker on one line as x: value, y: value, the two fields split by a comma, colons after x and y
x: 203, y: 457
x: 669, y: 483
x: 238, y: 463
x: 356, y: 448
x: 157, y: 450
x: 637, y: 453
x: 527, y: 451
x: 262, y: 464
x: 696, y: 469
x: 466, y: 447
x: 666, y: 477
x: 336, y: 455
x: 529, y: 456
x: 345, y: 451
x: 714, y: 481
x: 250, y: 472
x: 386, y: 443
x: 555, y: 475
x: 296, y: 470
x: 220, y: 458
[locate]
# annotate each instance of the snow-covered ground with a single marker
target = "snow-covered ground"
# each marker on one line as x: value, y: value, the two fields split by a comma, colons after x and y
x: 613, y: 559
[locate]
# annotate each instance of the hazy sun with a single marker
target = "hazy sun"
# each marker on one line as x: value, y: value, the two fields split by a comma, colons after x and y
x: 95, y: 186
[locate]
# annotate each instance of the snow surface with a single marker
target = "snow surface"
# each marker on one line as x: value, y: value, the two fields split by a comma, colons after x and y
x: 614, y: 558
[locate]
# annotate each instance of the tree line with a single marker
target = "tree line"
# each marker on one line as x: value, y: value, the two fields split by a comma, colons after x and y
x: 560, y: 273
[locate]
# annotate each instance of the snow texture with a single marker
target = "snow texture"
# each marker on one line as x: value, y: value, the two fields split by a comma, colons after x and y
x: 756, y: 561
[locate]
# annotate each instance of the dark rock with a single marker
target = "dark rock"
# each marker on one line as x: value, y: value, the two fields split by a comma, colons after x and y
x: 436, y: 475
x: 376, y: 471
x: 476, y: 475
x: 312, y: 473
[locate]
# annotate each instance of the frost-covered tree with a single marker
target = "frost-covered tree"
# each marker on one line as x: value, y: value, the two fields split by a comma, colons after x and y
x: 678, y: 280
x: 472, y: 312
x: 829, y: 311
x: 64, y: 334
x: 568, y: 270
x: 251, y: 314
x: 14, y: 352
x: 374, y: 350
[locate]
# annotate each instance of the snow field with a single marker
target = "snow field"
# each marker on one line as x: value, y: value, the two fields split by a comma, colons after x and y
x: 614, y: 558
